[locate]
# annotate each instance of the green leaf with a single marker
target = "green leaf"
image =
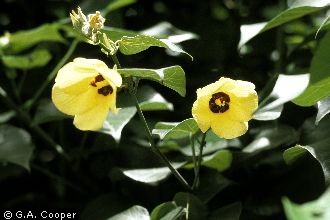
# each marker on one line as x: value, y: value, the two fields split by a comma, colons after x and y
x: 315, y: 210
x: 115, y: 122
x: 15, y: 146
x: 116, y: 34
x: 22, y: 40
x: 229, y: 212
x: 323, y: 109
x: 133, y: 213
x: 172, y: 130
x: 220, y: 161
x: 138, y: 43
x: 287, y: 87
x: 166, y: 211
x: 151, y: 175
x: 272, y: 137
x: 47, y: 112
x: 319, y: 85
x: 37, y: 58
x: 6, y: 116
x: 316, y: 140
x: 172, y: 77
x: 298, y: 9
x: 150, y: 100
x: 292, y: 154
x: 194, y: 208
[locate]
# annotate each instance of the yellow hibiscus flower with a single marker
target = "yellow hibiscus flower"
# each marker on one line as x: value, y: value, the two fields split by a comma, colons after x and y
x: 86, y: 89
x: 225, y: 106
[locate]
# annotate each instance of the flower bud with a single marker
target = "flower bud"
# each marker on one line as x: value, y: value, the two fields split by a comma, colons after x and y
x: 78, y: 19
x: 88, y: 27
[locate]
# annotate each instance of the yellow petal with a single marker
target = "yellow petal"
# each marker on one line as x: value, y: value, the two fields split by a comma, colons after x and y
x: 73, y: 103
x: 202, y: 114
x: 233, y: 122
x: 242, y: 108
x: 112, y: 76
x: 222, y: 85
x: 77, y: 88
x: 89, y: 63
x: 70, y: 74
x: 244, y: 101
x: 229, y: 129
x: 98, y: 66
x: 92, y: 119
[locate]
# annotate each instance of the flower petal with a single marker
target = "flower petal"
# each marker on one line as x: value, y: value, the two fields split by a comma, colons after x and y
x: 229, y: 129
x: 70, y: 74
x: 111, y: 75
x: 244, y: 101
x: 92, y: 119
x: 242, y: 108
x: 202, y: 114
x: 73, y: 103
x: 89, y: 63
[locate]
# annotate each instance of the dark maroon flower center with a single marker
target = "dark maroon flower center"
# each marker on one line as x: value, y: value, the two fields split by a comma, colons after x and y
x: 219, y: 103
x: 104, y: 90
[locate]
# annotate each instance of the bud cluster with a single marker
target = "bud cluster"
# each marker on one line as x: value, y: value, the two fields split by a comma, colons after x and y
x: 88, y: 27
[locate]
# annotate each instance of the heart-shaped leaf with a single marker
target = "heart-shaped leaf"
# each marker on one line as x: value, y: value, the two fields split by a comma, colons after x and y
x: 172, y: 77
x: 315, y: 210
x: 138, y: 43
x: 37, y: 58
x: 173, y: 130
x: 296, y: 10
x: 151, y: 175
x: 287, y: 87
x: 22, y: 40
x: 115, y: 122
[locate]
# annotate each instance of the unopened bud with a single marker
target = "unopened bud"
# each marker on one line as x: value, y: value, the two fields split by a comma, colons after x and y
x: 78, y: 19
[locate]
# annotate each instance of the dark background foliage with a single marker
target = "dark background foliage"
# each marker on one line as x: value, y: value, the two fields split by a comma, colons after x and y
x: 93, y: 179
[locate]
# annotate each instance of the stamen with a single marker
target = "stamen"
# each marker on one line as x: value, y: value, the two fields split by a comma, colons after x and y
x: 224, y: 100
x: 105, y: 90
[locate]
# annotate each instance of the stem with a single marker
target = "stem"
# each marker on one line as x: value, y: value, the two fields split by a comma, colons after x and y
x: 192, y: 142
x: 116, y: 61
x: 199, y: 161
x: 52, y: 75
x: 156, y: 149
x: 132, y: 90
x: 20, y: 85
